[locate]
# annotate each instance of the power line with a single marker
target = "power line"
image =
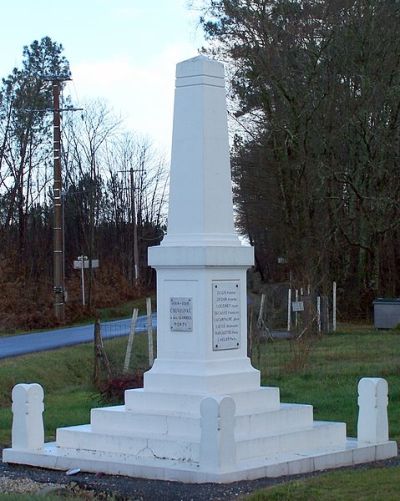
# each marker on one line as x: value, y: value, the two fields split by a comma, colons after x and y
x: 51, y: 110
x: 55, y: 78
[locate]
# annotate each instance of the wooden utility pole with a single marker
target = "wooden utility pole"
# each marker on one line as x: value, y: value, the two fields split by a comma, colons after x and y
x: 58, y: 220
x: 136, y: 267
x: 134, y: 229
x: 58, y: 228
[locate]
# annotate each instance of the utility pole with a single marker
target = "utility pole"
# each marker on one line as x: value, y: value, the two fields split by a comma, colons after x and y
x: 136, y: 268
x: 58, y: 220
x: 134, y: 229
x: 58, y: 230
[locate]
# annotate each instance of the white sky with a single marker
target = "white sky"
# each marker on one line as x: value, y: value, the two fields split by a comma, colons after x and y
x: 123, y: 51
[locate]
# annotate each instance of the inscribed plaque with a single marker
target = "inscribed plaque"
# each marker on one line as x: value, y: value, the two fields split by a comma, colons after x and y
x: 181, y: 314
x: 226, y: 314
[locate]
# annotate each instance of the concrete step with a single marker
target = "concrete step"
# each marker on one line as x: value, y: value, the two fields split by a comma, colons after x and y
x: 140, y: 400
x: 321, y: 435
x: 117, y: 420
x: 140, y: 445
x: 285, y: 419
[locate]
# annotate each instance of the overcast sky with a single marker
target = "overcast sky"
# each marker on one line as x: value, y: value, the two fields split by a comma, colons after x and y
x: 124, y: 51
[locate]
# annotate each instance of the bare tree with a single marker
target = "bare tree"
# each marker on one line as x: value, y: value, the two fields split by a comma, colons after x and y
x: 315, y: 86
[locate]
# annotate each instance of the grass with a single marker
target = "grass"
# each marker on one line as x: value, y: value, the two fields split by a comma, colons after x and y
x: 334, y: 366
x: 327, y: 378
x: 371, y: 484
x: 66, y: 377
x: 125, y: 310
x: 105, y: 314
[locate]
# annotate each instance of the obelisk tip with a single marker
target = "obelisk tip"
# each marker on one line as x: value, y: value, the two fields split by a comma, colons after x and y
x: 199, y: 66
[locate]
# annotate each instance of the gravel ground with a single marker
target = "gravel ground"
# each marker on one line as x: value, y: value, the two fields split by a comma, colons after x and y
x: 24, y: 479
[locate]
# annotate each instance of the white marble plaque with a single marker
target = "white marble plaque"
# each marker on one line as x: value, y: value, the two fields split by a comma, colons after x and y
x: 226, y: 314
x: 181, y: 314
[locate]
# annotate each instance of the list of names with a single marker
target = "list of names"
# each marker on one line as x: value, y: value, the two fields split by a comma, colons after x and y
x: 226, y: 314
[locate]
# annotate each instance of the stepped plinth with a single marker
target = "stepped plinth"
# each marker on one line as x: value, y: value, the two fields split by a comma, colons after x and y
x: 202, y: 415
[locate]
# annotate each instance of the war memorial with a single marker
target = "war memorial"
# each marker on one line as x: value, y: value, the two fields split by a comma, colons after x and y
x: 202, y: 415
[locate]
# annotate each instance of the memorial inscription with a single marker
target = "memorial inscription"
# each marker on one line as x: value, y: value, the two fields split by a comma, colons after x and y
x: 226, y: 314
x: 181, y: 314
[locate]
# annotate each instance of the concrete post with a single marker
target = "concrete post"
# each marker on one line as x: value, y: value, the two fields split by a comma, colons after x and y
x: 27, y: 407
x: 217, y: 443
x: 372, y: 424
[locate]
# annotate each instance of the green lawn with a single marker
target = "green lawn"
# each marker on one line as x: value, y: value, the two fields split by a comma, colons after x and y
x: 330, y: 377
x: 372, y: 484
x: 324, y: 373
x: 105, y: 314
x: 66, y: 377
x: 125, y: 310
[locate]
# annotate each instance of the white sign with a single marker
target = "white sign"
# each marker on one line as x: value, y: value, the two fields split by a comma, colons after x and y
x: 181, y: 314
x: 226, y: 314
x: 81, y: 264
x: 78, y: 264
x: 297, y: 306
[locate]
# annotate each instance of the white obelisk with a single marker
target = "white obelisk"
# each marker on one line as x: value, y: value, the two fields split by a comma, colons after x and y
x: 201, y: 264
x: 202, y: 415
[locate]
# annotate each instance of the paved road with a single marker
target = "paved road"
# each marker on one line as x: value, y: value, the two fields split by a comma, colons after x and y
x: 12, y: 346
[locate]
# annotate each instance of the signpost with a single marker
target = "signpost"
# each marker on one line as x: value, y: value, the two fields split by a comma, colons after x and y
x: 297, y: 306
x: 81, y: 264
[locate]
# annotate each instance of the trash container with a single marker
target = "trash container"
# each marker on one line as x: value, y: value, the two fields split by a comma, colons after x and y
x: 386, y: 313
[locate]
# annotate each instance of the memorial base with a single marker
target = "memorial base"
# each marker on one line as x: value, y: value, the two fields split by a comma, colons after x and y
x: 164, y: 469
x: 202, y: 438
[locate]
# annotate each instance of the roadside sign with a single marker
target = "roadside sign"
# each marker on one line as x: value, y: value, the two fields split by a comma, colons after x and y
x: 78, y: 264
x: 82, y: 263
x: 297, y: 306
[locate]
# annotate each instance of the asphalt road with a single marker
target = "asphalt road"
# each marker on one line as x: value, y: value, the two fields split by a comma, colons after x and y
x: 12, y: 346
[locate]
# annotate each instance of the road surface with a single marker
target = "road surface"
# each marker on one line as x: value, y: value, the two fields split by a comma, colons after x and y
x: 12, y: 346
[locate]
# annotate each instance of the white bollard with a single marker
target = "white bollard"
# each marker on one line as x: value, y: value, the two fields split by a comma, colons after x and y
x: 334, y: 306
x: 27, y: 407
x: 289, y: 310
x: 217, y: 443
x: 372, y: 426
